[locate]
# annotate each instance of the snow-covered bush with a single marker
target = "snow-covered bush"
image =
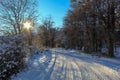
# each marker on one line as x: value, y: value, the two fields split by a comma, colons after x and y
x: 85, y: 49
x: 12, y: 55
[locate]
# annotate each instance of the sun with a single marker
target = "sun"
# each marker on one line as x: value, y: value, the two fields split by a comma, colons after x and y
x: 27, y: 25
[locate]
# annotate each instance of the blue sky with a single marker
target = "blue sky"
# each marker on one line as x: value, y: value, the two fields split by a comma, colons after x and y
x: 55, y: 8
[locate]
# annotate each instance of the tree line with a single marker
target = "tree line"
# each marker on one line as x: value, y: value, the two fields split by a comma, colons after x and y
x: 89, y: 25
x: 92, y: 25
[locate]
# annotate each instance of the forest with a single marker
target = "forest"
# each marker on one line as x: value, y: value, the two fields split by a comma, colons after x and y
x: 90, y: 26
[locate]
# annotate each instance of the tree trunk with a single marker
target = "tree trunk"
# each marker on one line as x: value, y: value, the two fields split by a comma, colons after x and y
x: 111, y: 28
x: 110, y: 46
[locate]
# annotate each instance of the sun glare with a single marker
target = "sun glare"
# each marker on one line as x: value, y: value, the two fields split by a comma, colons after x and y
x: 27, y: 25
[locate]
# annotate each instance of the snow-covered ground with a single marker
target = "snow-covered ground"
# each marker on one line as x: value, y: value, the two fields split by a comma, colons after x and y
x: 61, y: 64
x: 117, y: 52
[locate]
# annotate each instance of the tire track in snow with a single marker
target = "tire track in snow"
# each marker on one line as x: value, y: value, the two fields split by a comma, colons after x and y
x: 63, y: 66
x: 92, y: 71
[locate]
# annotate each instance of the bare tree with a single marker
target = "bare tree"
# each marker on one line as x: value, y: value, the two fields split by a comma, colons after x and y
x: 47, y: 33
x: 97, y: 19
x: 14, y: 12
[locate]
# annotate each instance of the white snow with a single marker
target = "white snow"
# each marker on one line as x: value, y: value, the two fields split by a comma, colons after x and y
x: 117, y: 52
x: 61, y: 64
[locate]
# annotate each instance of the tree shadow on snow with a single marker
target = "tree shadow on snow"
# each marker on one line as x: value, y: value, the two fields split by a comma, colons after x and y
x: 108, y: 62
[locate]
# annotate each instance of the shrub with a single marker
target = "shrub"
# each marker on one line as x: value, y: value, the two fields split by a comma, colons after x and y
x: 12, y: 55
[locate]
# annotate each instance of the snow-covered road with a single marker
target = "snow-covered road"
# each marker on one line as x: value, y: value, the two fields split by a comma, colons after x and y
x: 69, y: 65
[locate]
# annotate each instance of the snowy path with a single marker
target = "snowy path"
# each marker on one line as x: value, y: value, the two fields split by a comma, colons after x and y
x: 62, y: 65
